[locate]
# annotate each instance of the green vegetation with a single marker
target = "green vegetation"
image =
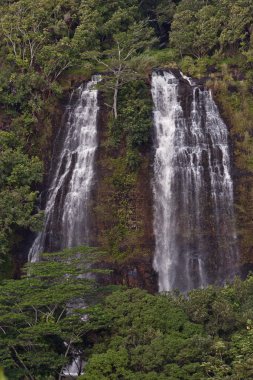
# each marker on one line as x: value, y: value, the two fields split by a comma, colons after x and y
x: 2, y: 377
x: 121, y: 229
x: 49, y: 45
x: 121, y: 60
x: 208, y: 335
x: 46, y: 47
x: 40, y: 315
x: 34, y: 50
x: 128, y: 334
x: 235, y: 99
x: 18, y: 173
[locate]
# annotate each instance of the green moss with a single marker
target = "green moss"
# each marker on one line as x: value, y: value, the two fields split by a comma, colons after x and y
x: 163, y: 57
x: 236, y: 105
x: 6, y: 267
x: 121, y: 230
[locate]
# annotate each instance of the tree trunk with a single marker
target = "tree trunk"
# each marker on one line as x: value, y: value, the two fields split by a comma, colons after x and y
x: 115, y: 98
x: 61, y: 376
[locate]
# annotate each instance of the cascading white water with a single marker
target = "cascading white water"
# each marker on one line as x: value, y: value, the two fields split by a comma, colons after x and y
x: 194, y: 222
x: 67, y: 201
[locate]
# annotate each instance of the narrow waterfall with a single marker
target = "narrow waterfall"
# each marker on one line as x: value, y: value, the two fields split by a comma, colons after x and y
x: 194, y: 222
x: 71, y: 176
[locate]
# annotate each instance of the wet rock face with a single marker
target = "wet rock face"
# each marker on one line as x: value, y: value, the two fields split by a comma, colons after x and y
x: 20, y: 254
x: 204, y: 233
x: 135, y: 274
x: 193, y: 190
x: 67, y: 200
x: 243, y: 188
x: 239, y: 121
x: 136, y: 270
x: 134, y: 265
x: 132, y: 262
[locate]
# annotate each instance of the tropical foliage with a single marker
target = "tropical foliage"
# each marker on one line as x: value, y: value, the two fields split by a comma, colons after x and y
x: 42, y: 315
x: 46, y: 47
x: 54, y: 313
x: 43, y: 43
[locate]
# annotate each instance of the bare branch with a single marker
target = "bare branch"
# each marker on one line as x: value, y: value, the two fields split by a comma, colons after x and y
x: 104, y: 64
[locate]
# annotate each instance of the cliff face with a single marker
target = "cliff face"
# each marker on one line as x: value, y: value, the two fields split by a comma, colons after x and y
x: 44, y: 138
x: 122, y: 200
x: 233, y: 95
x: 236, y: 107
x: 123, y: 210
x: 123, y: 204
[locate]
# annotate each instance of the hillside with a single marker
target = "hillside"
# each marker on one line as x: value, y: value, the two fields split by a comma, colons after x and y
x: 66, y: 64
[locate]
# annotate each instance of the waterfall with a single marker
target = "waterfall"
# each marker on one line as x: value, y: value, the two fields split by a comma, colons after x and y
x: 71, y: 175
x: 194, y: 222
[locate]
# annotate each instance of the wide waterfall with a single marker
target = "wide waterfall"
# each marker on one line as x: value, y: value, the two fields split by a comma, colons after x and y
x: 194, y: 222
x: 71, y: 176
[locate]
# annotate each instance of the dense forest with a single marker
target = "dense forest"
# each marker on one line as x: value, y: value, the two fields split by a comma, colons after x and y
x: 47, y: 49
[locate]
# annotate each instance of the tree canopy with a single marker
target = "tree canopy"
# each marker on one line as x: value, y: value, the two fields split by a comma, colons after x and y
x: 46, y: 48
x: 170, y: 337
x: 42, y: 314
x: 58, y: 310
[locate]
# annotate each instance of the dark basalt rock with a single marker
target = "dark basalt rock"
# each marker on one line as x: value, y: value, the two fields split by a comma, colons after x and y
x: 136, y: 269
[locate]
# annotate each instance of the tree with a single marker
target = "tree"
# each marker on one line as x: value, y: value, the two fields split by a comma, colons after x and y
x: 207, y: 31
x: 169, y: 337
x: 236, y: 21
x: 163, y: 12
x: 111, y: 36
x: 37, y: 34
x: 55, y: 59
x: 119, y: 60
x: 41, y: 315
x: 147, y: 337
x: 183, y: 31
x: 18, y: 173
x: 195, y: 31
x: 22, y: 28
